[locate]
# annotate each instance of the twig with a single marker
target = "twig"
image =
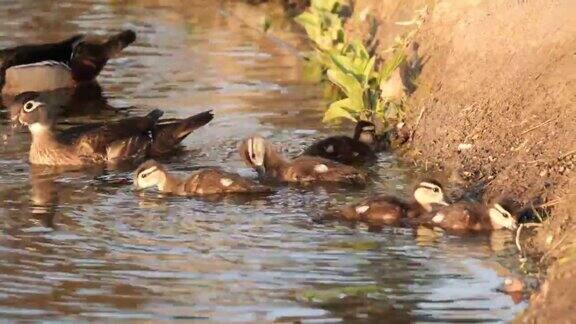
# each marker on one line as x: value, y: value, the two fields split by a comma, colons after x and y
x: 537, y: 126
x: 517, y: 240
x: 567, y: 154
x: 551, y: 203
x: 418, y: 120
x: 554, y: 247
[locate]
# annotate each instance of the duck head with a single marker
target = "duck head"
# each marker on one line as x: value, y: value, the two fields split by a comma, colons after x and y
x: 429, y: 193
x: 149, y: 174
x: 365, y: 132
x: 254, y: 151
x: 90, y: 54
x: 501, y: 217
x: 34, y: 112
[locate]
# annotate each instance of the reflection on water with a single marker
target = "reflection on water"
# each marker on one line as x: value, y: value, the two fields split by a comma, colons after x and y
x: 84, y: 245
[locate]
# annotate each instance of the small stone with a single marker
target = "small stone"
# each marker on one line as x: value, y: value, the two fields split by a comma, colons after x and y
x: 464, y: 147
x: 513, y: 285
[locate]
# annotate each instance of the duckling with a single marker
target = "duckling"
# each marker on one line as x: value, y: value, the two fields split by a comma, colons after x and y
x: 201, y: 183
x: 472, y: 217
x: 123, y: 140
x: 44, y: 67
x: 345, y: 149
x: 270, y: 164
x: 389, y: 210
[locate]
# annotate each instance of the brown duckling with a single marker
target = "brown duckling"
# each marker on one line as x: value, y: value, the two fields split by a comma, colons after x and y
x: 389, y: 210
x: 118, y: 141
x: 345, y: 149
x: 270, y: 164
x: 201, y: 183
x: 44, y: 67
x: 472, y: 217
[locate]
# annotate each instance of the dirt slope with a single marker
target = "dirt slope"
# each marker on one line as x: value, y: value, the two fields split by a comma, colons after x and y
x: 499, y: 77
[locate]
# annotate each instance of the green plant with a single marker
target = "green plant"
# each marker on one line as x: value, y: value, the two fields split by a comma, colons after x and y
x: 349, y: 66
x: 352, y: 71
x: 323, y: 24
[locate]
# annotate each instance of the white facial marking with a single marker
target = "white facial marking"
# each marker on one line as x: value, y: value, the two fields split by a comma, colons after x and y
x: 362, y: 209
x: 144, y: 180
x: 427, y: 194
x: 501, y: 218
x: 438, y: 218
x: 256, y: 150
x: 31, y: 105
x: 321, y: 168
x: 330, y: 149
x: 37, y: 128
x: 226, y: 182
x: 368, y: 128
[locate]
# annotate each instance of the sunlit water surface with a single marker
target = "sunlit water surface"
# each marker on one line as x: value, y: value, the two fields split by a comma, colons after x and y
x: 84, y: 245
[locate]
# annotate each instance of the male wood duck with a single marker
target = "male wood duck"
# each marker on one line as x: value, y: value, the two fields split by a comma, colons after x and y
x: 270, y: 164
x: 43, y: 67
x: 204, y: 182
x: 345, y: 149
x: 123, y: 140
x: 390, y: 210
x: 464, y: 217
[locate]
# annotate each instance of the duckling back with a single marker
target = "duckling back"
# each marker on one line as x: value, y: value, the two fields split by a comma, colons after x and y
x: 213, y: 181
x: 312, y: 169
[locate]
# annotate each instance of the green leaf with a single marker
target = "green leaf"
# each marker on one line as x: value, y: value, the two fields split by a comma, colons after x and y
x: 350, y: 86
x: 338, y: 109
x: 325, y: 5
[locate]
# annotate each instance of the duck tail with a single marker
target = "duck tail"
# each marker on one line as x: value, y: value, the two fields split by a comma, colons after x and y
x: 168, y: 134
x: 155, y: 114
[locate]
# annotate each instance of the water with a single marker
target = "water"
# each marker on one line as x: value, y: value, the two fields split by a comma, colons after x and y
x: 84, y: 246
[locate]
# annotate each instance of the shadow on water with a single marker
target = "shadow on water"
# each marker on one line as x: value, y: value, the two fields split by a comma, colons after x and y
x: 84, y: 245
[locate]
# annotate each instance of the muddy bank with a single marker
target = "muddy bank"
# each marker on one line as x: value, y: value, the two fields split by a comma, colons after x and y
x: 495, y: 110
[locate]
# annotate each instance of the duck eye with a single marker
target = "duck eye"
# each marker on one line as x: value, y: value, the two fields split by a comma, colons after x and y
x: 29, y: 106
x: 436, y: 189
x: 143, y: 175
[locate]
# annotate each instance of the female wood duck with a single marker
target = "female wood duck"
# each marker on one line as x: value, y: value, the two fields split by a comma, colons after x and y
x: 472, y: 217
x: 389, y: 210
x: 270, y: 164
x: 127, y: 139
x: 43, y: 67
x: 204, y: 182
x: 345, y: 149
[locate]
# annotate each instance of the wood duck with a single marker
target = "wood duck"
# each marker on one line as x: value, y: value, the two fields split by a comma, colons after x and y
x: 389, y: 210
x: 203, y: 182
x: 270, y: 164
x: 123, y: 140
x: 43, y: 67
x: 472, y: 217
x: 345, y: 149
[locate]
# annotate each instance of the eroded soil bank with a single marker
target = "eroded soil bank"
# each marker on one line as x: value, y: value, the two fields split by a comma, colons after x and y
x: 498, y: 77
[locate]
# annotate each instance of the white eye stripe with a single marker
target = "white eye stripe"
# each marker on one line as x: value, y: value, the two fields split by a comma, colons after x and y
x: 250, y: 149
x: 148, y: 171
x: 31, y: 105
x: 501, y: 209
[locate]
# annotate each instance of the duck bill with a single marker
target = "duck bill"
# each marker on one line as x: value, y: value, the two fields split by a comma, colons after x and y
x: 443, y: 203
x: 261, y: 170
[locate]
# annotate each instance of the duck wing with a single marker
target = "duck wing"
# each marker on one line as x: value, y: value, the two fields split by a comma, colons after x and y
x: 169, y: 133
x: 104, y: 138
x: 28, y: 54
x: 309, y: 169
x: 213, y: 181
x: 341, y: 149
